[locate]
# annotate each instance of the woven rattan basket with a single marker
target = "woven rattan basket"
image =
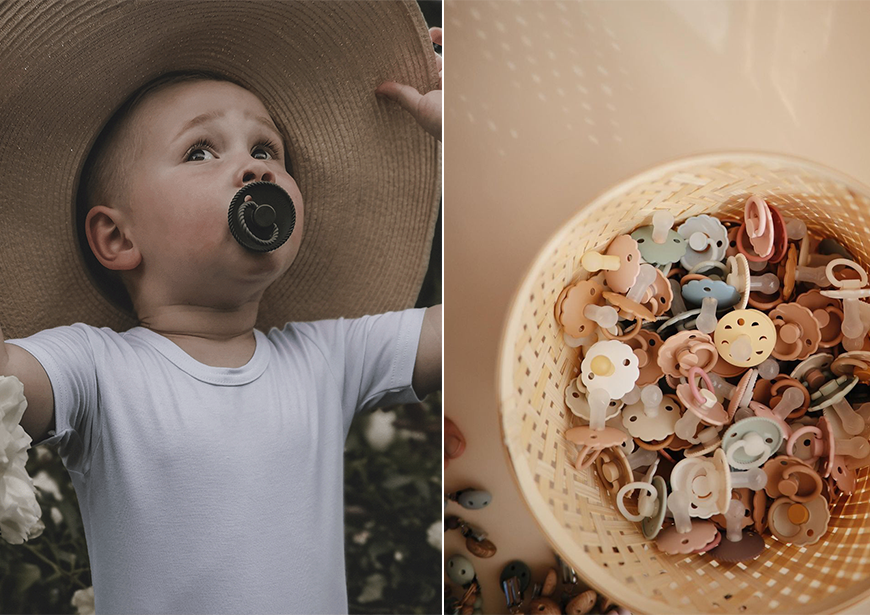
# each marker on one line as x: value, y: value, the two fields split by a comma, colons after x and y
x: 535, y: 365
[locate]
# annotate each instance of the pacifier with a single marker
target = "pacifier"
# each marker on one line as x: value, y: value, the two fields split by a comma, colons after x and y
x: 265, y: 221
x: 684, y: 536
x: 798, y: 523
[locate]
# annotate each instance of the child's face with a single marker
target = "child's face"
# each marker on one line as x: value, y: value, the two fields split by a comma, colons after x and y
x: 197, y: 144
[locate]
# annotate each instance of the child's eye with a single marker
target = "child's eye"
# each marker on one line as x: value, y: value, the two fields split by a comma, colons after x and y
x: 199, y: 154
x: 261, y: 153
x: 266, y: 150
x: 199, y: 151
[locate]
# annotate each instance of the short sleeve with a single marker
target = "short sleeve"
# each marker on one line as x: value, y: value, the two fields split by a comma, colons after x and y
x: 66, y: 354
x: 372, y: 358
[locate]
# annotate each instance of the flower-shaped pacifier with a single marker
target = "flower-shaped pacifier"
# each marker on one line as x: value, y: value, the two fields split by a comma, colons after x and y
x: 264, y: 221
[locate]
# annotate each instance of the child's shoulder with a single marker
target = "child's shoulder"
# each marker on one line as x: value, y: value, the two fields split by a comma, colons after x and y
x: 75, y: 333
x: 86, y: 338
x: 342, y: 325
x: 348, y: 333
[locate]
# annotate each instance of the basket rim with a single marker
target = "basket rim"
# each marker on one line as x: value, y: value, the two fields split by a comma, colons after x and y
x: 554, y: 532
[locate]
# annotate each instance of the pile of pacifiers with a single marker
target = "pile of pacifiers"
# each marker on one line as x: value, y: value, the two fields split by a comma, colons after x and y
x: 724, y: 366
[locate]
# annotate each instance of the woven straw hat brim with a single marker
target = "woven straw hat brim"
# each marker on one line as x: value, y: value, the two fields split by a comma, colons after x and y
x: 369, y: 175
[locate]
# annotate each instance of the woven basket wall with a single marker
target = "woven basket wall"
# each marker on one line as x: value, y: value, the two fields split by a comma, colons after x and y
x: 608, y: 552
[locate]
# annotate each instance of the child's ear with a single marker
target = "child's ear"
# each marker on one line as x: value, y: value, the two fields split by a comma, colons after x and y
x: 109, y: 243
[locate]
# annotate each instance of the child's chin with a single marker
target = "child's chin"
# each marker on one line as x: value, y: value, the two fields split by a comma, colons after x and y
x: 268, y: 265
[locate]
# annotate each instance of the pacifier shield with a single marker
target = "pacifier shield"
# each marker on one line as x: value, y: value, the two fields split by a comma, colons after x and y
x: 264, y: 222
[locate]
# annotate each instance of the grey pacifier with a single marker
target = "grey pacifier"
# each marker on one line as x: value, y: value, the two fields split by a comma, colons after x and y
x: 265, y: 221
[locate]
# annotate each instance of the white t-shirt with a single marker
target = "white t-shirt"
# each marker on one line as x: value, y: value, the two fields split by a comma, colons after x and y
x: 219, y: 490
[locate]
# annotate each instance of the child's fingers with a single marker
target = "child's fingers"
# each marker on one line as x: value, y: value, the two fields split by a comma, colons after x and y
x: 435, y: 34
x: 405, y: 95
x: 426, y: 110
x: 454, y: 441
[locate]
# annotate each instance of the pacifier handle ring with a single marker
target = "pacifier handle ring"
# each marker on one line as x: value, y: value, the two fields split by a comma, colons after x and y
x: 741, y: 247
x: 849, y: 264
x: 624, y: 337
x: 695, y: 472
x: 696, y: 393
x: 620, y: 496
x: 586, y: 456
x: 240, y: 216
x: 755, y: 224
x: 729, y: 454
x: 704, y: 265
x: 801, y: 469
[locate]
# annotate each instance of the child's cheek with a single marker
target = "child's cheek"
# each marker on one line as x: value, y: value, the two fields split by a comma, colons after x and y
x: 192, y: 236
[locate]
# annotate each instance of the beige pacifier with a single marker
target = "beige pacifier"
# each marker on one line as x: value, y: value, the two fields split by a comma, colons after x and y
x: 791, y: 477
x: 570, y: 310
x: 798, y: 523
x: 621, y: 263
x: 745, y: 337
x: 798, y: 333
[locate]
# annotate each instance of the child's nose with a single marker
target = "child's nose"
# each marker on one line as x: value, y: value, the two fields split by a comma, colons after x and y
x: 256, y: 171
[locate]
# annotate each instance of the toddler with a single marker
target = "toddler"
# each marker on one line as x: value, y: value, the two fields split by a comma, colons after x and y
x: 207, y: 454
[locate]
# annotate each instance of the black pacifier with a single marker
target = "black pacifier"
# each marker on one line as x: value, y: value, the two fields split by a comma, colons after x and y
x: 265, y: 221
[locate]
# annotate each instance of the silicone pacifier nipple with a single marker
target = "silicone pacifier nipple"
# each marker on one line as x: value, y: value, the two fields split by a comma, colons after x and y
x: 265, y: 220
x: 798, y: 514
x: 741, y: 350
x: 602, y: 366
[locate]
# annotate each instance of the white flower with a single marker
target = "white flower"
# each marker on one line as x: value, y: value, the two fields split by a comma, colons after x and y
x: 13, y: 447
x: 83, y: 600
x: 409, y: 434
x: 19, y: 510
x: 379, y: 431
x: 56, y: 515
x: 374, y: 588
x: 361, y: 538
x: 434, y: 535
x: 12, y: 402
x: 47, y: 484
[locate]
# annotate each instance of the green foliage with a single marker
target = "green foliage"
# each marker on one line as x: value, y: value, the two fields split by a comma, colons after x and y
x: 391, y: 500
x: 42, y: 575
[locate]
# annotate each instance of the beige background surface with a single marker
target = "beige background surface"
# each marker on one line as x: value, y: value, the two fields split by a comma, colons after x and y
x: 548, y: 104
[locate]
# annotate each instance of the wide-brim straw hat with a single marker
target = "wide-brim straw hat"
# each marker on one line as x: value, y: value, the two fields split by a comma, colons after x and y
x: 369, y: 175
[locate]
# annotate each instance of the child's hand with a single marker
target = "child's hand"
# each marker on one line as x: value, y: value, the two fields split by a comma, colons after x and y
x: 454, y: 441
x: 425, y: 108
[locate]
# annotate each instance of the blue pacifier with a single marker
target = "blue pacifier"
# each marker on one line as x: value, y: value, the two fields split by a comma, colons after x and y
x: 265, y: 221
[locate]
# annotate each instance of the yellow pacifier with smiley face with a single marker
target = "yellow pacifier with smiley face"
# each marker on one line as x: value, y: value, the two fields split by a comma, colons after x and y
x: 745, y: 338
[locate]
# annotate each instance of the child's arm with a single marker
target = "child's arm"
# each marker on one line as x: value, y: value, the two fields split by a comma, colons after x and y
x: 426, y: 108
x: 427, y: 368
x: 39, y: 416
